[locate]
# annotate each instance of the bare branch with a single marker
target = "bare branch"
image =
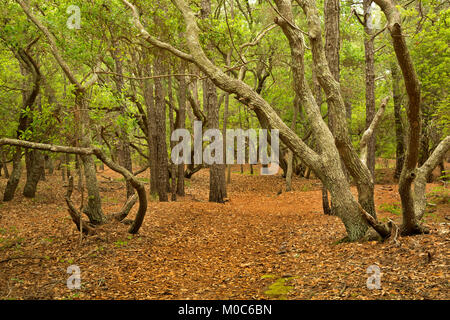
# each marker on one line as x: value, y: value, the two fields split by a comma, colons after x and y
x: 370, y: 131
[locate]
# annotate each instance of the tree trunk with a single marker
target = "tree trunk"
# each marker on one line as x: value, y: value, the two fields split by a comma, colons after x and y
x: 160, y: 143
x: 181, y: 124
x: 81, y: 118
x: 27, y: 67
x: 14, y: 178
x: 217, y: 182
x: 370, y: 81
x: 35, y: 165
x: 399, y: 139
x: 410, y: 225
x: 94, y: 207
x: 4, y: 164
x: 290, y: 154
x: 124, y: 143
x: 172, y: 124
x: 332, y: 47
x: 149, y: 97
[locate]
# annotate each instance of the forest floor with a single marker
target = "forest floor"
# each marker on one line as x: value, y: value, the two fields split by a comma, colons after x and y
x: 258, y: 245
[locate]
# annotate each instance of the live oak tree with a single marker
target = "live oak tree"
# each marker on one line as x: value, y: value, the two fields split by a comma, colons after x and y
x: 81, y: 116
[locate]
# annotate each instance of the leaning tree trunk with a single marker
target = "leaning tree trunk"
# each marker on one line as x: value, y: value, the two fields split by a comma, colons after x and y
x: 410, y: 224
x: 420, y: 181
x: 357, y: 169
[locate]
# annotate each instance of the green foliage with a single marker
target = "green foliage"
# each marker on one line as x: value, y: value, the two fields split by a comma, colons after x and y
x: 279, y: 289
x: 393, y: 208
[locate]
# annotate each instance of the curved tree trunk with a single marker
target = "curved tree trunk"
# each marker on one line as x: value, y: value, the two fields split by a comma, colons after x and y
x: 410, y: 224
x: 89, y: 153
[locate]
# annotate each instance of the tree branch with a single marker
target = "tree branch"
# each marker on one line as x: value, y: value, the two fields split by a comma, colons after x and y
x: 371, y: 131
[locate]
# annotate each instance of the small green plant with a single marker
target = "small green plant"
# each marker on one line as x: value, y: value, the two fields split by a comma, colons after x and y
x: 445, y: 176
x: 73, y: 296
x: 393, y: 208
x: 69, y: 260
x: 306, y: 188
x: 440, y: 194
x: 279, y: 289
x: 268, y: 276
x: 120, y: 243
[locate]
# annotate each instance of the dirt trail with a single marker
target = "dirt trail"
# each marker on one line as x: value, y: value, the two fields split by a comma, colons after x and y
x: 258, y: 245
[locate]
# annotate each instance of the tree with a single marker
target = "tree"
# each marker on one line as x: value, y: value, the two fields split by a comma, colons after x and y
x: 81, y: 117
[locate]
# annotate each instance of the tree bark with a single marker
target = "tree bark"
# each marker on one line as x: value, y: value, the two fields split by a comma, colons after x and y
x: 420, y: 181
x: 35, y: 166
x: 147, y: 89
x: 332, y: 47
x: 290, y: 154
x: 172, y: 124
x: 217, y: 182
x: 399, y: 137
x: 370, y: 81
x: 410, y: 225
x: 181, y: 124
x: 160, y: 134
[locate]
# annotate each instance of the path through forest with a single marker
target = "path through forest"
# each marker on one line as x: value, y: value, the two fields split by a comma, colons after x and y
x: 258, y: 245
